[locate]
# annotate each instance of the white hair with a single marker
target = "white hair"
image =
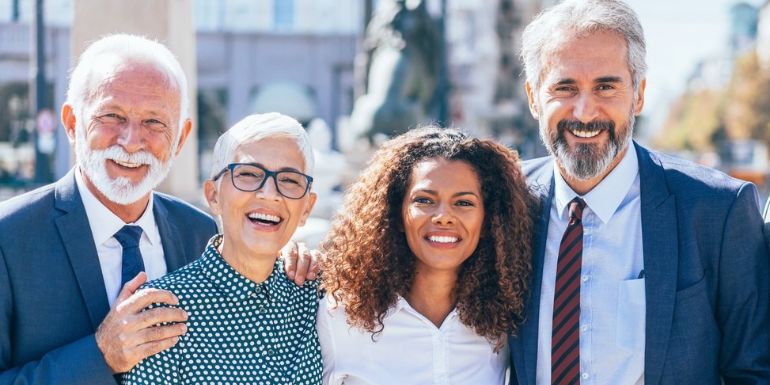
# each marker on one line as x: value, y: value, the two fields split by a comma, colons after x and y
x: 577, y: 18
x: 254, y: 128
x: 131, y: 49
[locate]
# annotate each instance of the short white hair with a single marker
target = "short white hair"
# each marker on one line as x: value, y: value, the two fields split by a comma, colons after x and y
x: 254, y: 128
x: 130, y: 49
x: 578, y: 18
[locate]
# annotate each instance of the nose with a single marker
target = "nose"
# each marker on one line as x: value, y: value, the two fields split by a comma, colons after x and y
x: 269, y: 190
x: 586, y: 108
x: 443, y: 216
x: 130, y: 137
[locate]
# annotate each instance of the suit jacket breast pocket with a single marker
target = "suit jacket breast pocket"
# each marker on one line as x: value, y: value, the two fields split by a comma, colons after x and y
x: 631, y: 314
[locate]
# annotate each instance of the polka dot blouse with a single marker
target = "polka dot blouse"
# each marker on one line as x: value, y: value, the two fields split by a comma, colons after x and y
x: 239, y: 332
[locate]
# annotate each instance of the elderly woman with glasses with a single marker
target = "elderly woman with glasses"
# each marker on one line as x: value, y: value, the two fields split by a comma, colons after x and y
x: 248, y: 323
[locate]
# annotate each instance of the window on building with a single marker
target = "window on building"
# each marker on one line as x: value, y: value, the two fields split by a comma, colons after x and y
x: 283, y: 14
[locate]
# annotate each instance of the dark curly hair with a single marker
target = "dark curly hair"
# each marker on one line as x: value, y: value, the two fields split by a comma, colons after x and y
x: 368, y: 263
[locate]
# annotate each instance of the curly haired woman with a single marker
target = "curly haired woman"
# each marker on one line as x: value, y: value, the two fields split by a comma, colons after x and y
x: 426, y: 267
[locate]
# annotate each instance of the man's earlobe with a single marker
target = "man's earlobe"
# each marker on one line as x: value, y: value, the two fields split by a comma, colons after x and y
x: 69, y: 121
x: 532, y: 101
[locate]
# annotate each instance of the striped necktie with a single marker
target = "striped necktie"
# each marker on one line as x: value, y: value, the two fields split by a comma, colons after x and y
x: 565, y: 337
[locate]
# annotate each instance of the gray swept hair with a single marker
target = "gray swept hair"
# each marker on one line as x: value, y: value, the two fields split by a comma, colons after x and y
x: 125, y: 48
x: 578, y: 18
x: 254, y: 128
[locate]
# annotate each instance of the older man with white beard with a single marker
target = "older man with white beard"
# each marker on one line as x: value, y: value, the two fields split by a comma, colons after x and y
x: 73, y: 253
x: 647, y: 269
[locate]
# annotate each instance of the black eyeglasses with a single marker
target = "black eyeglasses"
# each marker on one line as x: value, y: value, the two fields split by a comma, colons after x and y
x: 251, y: 177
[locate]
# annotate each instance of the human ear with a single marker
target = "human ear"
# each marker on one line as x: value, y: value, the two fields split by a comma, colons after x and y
x: 212, y: 197
x: 69, y: 121
x: 312, y: 197
x: 531, y: 100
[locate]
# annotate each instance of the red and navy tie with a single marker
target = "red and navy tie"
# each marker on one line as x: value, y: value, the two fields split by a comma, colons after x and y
x: 565, y: 337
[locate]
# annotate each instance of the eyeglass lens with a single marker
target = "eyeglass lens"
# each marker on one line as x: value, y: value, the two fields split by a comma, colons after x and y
x: 251, y: 178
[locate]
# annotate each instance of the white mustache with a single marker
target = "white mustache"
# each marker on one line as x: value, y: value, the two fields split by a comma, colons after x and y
x: 119, y: 154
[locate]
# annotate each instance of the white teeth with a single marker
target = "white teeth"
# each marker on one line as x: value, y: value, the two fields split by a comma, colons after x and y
x: 127, y: 164
x: 443, y: 239
x: 265, y: 217
x: 585, y: 133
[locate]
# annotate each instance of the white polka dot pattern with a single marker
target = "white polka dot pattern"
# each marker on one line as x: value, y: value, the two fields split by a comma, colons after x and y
x: 239, y: 332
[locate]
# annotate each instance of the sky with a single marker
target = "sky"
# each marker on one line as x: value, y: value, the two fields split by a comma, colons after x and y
x: 679, y: 33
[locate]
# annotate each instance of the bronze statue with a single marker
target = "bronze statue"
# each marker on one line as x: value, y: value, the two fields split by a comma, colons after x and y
x: 402, y: 46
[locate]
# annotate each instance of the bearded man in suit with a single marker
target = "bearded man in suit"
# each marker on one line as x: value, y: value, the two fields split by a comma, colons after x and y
x: 73, y: 253
x: 646, y: 268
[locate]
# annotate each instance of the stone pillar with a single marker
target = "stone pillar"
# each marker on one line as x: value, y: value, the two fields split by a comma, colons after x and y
x: 169, y: 22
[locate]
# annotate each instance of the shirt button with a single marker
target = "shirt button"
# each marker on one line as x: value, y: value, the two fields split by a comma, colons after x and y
x: 584, y: 328
x: 584, y: 278
x: 584, y: 376
x: 270, y: 352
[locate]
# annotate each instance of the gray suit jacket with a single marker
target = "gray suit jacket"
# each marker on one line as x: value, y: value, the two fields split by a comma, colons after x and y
x: 52, y: 294
x: 707, y: 276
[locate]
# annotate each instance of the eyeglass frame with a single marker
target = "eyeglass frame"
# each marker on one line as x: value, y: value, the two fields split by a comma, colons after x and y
x: 268, y: 173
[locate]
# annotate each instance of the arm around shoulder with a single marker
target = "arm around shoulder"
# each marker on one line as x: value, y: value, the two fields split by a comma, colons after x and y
x: 744, y: 293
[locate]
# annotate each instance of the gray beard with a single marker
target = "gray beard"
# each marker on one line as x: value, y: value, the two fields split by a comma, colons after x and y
x: 587, y: 161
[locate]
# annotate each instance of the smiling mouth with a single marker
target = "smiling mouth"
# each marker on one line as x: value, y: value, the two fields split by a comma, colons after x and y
x: 585, y: 133
x: 443, y: 239
x: 127, y: 164
x: 264, y: 219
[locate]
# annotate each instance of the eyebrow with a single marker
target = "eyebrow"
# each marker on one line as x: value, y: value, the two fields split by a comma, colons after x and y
x: 461, y: 193
x: 609, y: 79
x: 280, y: 169
x: 602, y: 79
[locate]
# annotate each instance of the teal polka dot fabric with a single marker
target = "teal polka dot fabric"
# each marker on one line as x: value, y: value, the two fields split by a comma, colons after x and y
x: 239, y: 332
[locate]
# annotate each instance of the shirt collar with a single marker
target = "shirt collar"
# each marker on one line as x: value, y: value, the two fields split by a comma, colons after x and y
x: 236, y: 286
x: 104, y: 223
x: 607, y: 196
x: 403, y: 304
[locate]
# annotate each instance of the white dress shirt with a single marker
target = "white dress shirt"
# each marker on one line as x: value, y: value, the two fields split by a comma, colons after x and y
x: 104, y: 224
x: 410, y: 350
x: 612, y: 299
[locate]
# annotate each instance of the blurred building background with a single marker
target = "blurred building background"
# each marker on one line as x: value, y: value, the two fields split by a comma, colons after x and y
x: 299, y: 57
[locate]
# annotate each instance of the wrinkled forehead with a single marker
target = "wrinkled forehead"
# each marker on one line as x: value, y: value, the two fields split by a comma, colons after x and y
x: 564, y: 44
x: 142, y: 76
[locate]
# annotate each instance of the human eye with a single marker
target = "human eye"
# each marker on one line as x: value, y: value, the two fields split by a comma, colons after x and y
x: 248, y: 172
x: 110, y: 118
x: 564, y: 90
x: 290, y: 178
x: 605, y: 87
x: 154, y: 124
x: 422, y: 200
x: 465, y: 203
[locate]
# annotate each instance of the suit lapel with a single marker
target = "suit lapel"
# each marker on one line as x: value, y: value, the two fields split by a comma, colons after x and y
x: 660, y: 245
x: 542, y: 186
x: 75, y: 232
x: 169, y: 236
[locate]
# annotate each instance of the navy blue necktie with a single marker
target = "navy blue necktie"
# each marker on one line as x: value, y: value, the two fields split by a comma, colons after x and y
x: 132, y: 263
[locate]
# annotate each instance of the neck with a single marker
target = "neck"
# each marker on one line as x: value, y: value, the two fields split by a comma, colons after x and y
x: 129, y: 213
x: 584, y: 186
x: 257, y: 268
x: 432, y: 294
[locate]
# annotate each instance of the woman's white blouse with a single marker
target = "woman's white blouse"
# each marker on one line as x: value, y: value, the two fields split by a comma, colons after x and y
x: 410, y: 350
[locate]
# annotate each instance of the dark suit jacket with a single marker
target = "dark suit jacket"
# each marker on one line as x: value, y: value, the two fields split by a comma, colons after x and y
x: 52, y: 295
x: 707, y: 282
